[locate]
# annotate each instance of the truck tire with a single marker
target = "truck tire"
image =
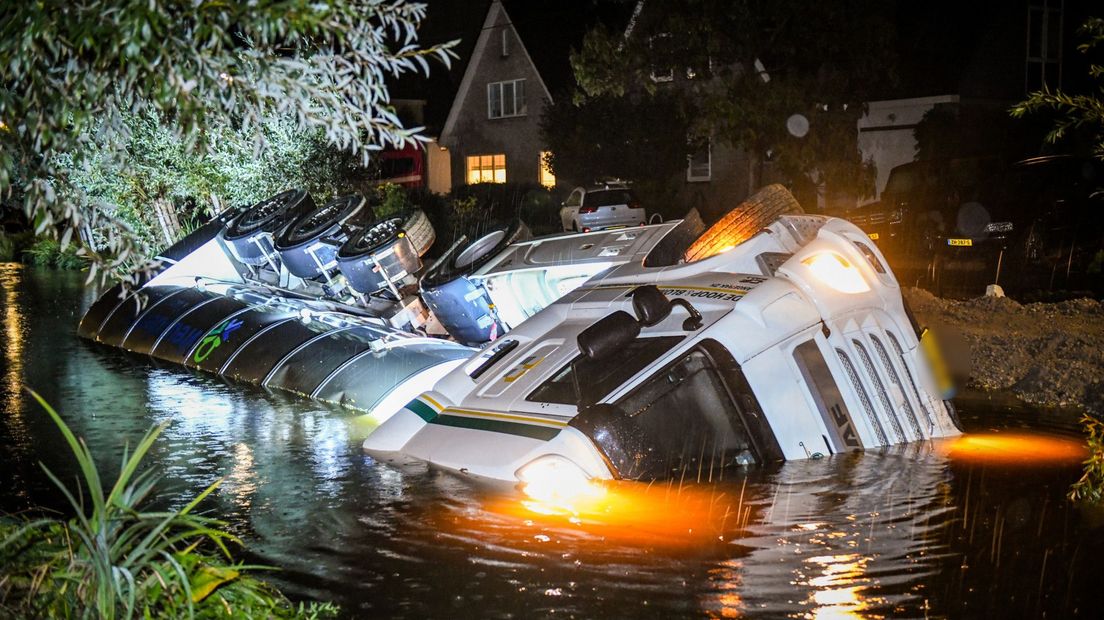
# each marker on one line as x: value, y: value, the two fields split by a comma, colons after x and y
x: 744, y: 221
x: 420, y: 231
x: 467, y: 259
x: 460, y: 305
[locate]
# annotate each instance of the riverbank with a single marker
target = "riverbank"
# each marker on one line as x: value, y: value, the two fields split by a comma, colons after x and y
x: 1047, y: 354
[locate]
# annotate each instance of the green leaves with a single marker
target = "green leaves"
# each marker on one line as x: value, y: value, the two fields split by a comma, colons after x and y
x: 1082, y: 113
x: 1090, y: 487
x: 112, y: 559
x: 739, y: 69
x: 71, y: 74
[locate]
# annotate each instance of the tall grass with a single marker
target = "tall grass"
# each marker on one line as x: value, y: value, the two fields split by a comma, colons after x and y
x: 113, y: 559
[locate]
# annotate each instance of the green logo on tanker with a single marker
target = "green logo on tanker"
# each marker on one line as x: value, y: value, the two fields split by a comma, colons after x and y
x: 214, y: 339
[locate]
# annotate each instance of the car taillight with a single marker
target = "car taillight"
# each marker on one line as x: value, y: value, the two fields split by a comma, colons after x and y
x: 634, y: 205
x: 587, y: 209
x: 586, y: 229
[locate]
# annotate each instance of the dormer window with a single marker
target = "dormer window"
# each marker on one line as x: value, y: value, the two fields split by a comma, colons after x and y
x: 506, y: 99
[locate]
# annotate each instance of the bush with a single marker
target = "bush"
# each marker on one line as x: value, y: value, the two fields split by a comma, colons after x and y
x: 114, y: 559
x: 1090, y: 488
x: 498, y: 202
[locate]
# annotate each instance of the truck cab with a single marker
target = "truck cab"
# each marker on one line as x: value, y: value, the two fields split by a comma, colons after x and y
x: 793, y: 344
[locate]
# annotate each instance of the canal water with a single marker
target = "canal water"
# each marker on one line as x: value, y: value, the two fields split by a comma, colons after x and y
x: 964, y: 528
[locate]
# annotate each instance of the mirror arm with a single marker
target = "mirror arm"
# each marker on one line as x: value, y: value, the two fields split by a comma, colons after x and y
x: 694, y: 321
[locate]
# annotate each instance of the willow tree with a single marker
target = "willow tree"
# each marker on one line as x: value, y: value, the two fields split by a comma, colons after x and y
x: 71, y: 70
x: 1075, y: 113
x: 1080, y: 113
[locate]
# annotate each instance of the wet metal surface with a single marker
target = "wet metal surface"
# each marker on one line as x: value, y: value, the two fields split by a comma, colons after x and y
x: 961, y: 528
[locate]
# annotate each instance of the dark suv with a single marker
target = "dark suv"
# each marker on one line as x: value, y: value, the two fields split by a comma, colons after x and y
x: 918, y: 208
x: 1043, y: 218
x: 1040, y: 220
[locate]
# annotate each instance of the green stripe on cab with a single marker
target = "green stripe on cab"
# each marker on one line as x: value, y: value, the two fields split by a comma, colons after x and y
x: 423, y: 410
x: 544, y: 433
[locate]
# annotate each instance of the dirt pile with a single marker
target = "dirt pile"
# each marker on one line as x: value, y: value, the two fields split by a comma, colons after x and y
x: 1046, y: 353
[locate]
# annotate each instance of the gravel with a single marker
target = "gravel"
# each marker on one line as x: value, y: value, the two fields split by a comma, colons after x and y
x: 1049, y: 354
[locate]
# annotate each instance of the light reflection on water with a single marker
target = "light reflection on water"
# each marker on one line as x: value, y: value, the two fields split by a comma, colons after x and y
x: 927, y: 530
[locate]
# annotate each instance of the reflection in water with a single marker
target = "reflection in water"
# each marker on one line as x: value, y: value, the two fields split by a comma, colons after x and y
x: 10, y: 280
x: 1016, y: 448
x: 835, y: 593
x: 946, y: 529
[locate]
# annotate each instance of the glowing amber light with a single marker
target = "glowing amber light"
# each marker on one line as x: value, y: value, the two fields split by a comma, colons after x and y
x: 658, y: 514
x: 1011, y: 448
x: 555, y: 484
x: 838, y: 588
x: 837, y: 272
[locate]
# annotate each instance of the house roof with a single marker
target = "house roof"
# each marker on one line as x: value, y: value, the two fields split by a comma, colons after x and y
x: 548, y: 29
x: 495, y: 16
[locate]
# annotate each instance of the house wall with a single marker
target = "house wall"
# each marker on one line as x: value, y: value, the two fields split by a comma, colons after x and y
x: 886, y: 132
x: 471, y: 132
x: 438, y: 167
x: 727, y: 186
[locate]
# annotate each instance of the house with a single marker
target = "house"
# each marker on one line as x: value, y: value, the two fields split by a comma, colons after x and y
x: 492, y: 132
x: 483, y: 115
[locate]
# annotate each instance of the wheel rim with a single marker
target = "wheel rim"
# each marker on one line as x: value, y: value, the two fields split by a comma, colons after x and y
x: 479, y: 248
x: 319, y: 221
x: 268, y: 210
x: 372, y: 238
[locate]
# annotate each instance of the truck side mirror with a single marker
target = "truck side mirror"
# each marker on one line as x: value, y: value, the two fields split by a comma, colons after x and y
x: 650, y: 305
x: 608, y: 335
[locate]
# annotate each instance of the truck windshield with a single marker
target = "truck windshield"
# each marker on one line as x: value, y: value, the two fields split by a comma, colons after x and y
x: 585, y: 381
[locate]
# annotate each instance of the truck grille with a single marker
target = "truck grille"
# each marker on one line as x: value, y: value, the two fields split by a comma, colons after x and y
x: 868, y: 407
x: 880, y: 390
x: 891, y: 372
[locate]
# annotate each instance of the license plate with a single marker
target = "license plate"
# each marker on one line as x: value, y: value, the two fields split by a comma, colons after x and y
x: 873, y: 236
x: 960, y: 242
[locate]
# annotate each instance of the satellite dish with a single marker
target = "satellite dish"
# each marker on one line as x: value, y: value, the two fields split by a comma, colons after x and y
x: 797, y: 125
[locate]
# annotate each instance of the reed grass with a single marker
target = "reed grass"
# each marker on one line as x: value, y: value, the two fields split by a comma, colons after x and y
x: 112, y: 558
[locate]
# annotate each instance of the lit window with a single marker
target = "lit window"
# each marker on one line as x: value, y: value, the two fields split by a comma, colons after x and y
x: 547, y: 179
x: 699, y: 165
x: 486, y: 169
x: 506, y: 99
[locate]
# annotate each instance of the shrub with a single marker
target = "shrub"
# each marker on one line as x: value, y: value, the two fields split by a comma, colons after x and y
x: 47, y: 252
x: 392, y: 199
x: 1090, y: 488
x: 114, y: 558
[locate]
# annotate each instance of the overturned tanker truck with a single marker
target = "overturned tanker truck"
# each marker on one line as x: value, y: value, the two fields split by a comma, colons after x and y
x: 637, y: 353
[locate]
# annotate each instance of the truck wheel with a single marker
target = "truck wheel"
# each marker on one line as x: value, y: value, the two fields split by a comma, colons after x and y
x: 420, y: 231
x: 467, y: 259
x: 460, y: 304
x: 744, y: 221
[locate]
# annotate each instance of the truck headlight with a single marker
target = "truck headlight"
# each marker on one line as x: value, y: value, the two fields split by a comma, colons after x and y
x: 556, y: 481
x: 836, y: 272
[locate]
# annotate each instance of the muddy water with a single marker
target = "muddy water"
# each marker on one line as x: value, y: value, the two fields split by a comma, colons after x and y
x: 963, y: 529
